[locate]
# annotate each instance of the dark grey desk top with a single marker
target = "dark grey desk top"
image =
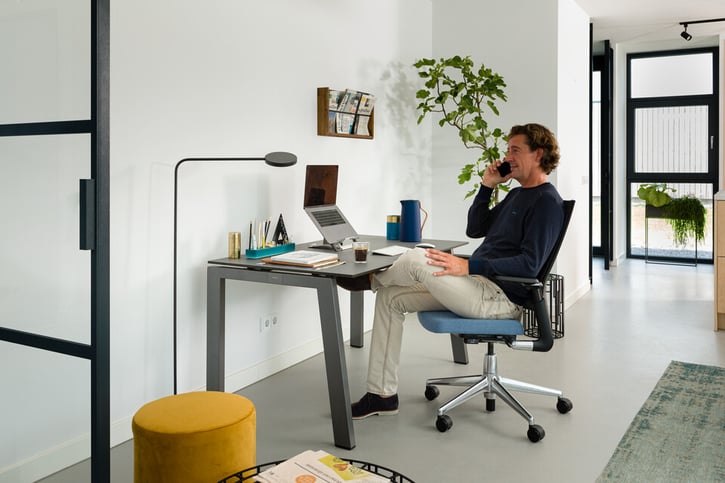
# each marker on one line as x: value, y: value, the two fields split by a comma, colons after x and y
x: 349, y: 269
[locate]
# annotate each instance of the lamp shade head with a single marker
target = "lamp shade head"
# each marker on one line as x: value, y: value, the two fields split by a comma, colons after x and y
x: 280, y: 159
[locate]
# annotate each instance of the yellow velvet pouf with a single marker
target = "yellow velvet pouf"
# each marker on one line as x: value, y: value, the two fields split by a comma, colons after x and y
x: 194, y: 437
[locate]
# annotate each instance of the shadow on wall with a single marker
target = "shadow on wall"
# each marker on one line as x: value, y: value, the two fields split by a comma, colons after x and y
x: 399, y: 96
x: 401, y: 83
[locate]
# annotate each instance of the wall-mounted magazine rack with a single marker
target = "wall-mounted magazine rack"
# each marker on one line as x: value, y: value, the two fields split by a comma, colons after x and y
x: 345, y: 113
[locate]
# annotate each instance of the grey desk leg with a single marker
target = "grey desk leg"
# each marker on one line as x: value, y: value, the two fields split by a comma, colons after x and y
x: 357, y: 314
x: 336, y: 368
x: 215, y: 329
x: 460, y: 351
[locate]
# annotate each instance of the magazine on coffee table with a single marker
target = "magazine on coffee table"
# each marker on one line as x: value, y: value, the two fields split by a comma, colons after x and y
x: 318, y: 466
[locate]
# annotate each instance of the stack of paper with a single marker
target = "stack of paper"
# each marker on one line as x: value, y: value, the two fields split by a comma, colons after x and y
x: 304, y: 258
x: 317, y: 466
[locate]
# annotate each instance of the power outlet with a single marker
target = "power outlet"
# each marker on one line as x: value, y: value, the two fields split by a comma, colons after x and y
x: 267, y: 321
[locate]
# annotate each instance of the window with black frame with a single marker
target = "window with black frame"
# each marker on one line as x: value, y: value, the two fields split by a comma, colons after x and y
x: 672, y: 105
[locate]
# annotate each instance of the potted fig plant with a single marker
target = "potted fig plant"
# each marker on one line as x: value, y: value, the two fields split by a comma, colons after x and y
x: 464, y: 96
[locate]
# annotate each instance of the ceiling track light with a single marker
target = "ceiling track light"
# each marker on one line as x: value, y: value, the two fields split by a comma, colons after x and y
x: 687, y: 36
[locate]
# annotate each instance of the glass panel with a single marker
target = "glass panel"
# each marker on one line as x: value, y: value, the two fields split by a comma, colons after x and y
x: 45, y: 57
x: 655, y: 234
x: 596, y: 159
x: 674, y: 75
x: 44, y: 276
x: 671, y: 139
x: 45, y: 422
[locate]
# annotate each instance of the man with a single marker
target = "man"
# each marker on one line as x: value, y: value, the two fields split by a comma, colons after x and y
x: 519, y: 234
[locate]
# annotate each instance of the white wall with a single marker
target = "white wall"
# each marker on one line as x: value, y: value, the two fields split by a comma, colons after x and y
x: 229, y: 77
x: 572, y: 178
x: 542, y: 53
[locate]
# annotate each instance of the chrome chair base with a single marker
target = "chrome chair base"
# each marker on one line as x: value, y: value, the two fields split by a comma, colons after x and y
x: 492, y: 385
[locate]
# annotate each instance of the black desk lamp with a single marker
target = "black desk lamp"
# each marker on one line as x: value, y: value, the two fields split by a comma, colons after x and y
x: 277, y: 159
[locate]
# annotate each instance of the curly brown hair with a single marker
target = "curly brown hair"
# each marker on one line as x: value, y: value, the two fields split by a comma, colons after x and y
x: 538, y: 136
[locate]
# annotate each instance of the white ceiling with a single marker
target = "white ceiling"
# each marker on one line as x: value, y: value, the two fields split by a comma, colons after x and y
x: 652, y: 20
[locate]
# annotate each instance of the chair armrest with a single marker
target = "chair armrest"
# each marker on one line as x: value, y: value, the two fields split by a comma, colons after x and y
x: 541, y: 315
x: 528, y: 281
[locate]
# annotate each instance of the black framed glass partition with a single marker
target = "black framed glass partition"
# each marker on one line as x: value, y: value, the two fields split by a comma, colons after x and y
x: 54, y: 262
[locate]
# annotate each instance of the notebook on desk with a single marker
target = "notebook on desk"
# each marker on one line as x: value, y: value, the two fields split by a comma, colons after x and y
x: 320, y: 205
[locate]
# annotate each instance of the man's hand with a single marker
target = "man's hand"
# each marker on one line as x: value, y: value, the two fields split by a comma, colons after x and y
x: 491, y: 176
x: 452, y: 265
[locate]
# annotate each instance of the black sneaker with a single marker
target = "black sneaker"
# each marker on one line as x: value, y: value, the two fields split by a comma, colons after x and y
x: 372, y: 405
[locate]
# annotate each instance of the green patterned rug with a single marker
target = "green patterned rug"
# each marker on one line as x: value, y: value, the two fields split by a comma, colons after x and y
x: 679, y: 433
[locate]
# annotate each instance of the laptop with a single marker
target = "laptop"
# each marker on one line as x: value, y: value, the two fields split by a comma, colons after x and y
x: 320, y: 205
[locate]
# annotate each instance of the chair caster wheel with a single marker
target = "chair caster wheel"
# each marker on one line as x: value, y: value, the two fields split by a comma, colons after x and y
x: 490, y: 405
x: 444, y: 423
x: 536, y: 433
x: 431, y: 392
x: 564, y: 405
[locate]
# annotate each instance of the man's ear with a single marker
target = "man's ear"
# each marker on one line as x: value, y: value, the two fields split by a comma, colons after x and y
x: 539, y: 154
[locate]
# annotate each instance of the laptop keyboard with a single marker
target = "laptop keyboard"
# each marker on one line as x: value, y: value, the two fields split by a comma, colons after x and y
x: 328, y: 217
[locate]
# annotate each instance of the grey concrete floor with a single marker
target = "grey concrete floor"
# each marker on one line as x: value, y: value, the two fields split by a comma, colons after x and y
x: 618, y: 340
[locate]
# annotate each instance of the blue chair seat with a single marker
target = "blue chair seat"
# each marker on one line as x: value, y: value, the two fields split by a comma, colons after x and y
x: 446, y: 322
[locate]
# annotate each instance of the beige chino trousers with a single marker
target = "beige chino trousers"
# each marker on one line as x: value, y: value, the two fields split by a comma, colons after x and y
x: 410, y: 286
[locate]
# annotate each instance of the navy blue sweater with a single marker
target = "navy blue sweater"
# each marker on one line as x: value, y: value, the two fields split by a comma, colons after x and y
x: 519, y: 234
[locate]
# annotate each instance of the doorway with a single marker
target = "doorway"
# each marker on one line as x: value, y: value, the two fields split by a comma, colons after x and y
x: 602, y: 158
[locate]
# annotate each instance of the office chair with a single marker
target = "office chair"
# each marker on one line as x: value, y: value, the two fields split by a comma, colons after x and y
x: 491, y: 331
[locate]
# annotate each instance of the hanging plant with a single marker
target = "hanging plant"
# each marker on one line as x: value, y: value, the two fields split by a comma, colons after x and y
x: 686, y: 215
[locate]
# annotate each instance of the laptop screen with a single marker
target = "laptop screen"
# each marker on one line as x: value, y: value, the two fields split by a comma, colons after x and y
x: 321, y: 205
x: 320, y: 185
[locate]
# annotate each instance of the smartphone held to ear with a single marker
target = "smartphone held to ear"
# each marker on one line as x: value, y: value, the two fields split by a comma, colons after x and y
x: 504, y: 168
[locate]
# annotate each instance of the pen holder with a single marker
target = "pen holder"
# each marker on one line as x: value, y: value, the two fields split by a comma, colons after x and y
x: 269, y: 251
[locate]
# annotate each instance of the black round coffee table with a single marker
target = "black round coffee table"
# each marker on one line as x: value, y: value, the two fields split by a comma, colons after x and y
x: 248, y: 474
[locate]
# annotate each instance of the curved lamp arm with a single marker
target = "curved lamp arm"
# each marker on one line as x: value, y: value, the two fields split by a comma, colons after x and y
x: 279, y: 159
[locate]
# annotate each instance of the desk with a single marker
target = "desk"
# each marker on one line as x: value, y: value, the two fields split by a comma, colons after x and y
x: 323, y: 281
